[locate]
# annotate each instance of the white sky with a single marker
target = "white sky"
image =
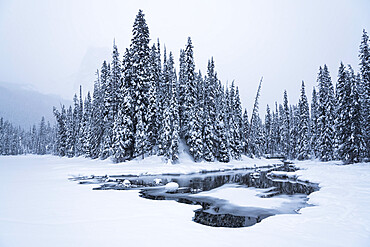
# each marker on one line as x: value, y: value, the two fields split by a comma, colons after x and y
x: 56, y: 45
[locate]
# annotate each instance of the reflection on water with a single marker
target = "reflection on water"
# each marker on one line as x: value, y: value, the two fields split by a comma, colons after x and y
x: 216, y: 211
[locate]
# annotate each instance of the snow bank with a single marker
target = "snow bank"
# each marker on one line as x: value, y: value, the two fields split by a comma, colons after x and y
x: 153, y: 165
x: 282, y: 174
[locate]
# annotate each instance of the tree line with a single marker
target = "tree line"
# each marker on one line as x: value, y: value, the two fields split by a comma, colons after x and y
x: 37, y: 140
x: 142, y: 106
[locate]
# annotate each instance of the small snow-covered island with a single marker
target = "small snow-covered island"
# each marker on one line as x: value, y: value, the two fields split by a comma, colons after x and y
x: 159, y: 152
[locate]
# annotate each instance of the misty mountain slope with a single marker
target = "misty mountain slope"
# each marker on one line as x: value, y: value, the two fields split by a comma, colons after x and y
x: 25, y: 107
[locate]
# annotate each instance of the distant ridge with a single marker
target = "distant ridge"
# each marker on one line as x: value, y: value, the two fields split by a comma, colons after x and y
x: 23, y: 106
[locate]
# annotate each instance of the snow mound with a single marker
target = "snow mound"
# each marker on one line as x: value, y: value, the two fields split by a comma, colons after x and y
x: 282, y: 174
x: 171, y: 187
x: 127, y: 183
x: 157, y: 181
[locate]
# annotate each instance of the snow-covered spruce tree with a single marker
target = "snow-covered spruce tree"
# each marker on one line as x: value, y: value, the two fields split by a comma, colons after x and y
x: 230, y: 99
x: 246, y: 131
x: 169, y: 132
x: 254, y: 149
x: 281, y: 128
x: 33, y: 139
x: 70, y: 136
x: 210, y: 87
x: 182, y: 91
x: 127, y: 103
x: 325, y: 115
x: 314, y: 125
x: 175, y: 118
x: 275, y: 132
x: 2, y: 135
x: 13, y: 141
x: 153, y: 110
x: 115, y: 81
x: 50, y: 138
x: 141, y: 84
x: 208, y: 138
x: 150, y: 118
x: 111, y: 86
x: 140, y: 135
x: 61, y: 131
x: 77, y: 122
x: 123, y: 137
x: 119, y: 151
x: 364, y: 56
x: 286, y: 127
x: 234, y: 123
x: 42, y: 143
x: 96, y: 118
x: 76, y: 125
x: 210, y: 90
x: 190, y: 98
x: 356, y: 145
x: 123, y: 127
x: 259, y: 139
x: 223, y: 151
x: 86, y: 127
x: 156, y: 81
x: 303, y: 127
x: 16, y: 141
x: 267, y: 131
x: 106, y: 144
x: 195, y: 126
x: 294, y: 124
x: 165, y: 134
x: 222, y: 142
x: 165, y: 95
x: 5, y: 138
x: 9, y: 140
x: 227, y: 110
x: 342, y: 114
x: 238, y: 116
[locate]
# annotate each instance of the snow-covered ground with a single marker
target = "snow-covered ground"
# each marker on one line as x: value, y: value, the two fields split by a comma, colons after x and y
x: 39, y: 206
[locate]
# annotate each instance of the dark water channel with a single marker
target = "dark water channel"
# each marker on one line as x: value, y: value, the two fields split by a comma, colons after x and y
x: 216, y: 211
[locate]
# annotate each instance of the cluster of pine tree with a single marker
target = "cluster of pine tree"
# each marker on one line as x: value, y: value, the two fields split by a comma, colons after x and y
x: 338, y: 126
x: 140, y: 106
x: 38, y: 140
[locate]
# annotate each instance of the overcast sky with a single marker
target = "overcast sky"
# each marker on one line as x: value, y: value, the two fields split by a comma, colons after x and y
x: 56, y: 45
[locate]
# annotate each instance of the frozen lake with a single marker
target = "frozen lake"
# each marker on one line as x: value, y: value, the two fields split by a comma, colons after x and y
x: 39, y: 206
x: 232, y: 198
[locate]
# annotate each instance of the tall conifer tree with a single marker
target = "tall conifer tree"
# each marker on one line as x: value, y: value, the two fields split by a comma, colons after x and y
x: 303, y: 127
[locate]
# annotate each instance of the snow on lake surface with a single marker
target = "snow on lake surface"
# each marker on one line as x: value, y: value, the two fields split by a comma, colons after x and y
x: 39, y: 206
x: 244, y: 196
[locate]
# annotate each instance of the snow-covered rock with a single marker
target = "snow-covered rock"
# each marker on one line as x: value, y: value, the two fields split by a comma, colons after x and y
x: 255, y: 174
x: 171, y: 187
x: 157, y: 181
x: 282, y: 174
x: 126, y: 183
